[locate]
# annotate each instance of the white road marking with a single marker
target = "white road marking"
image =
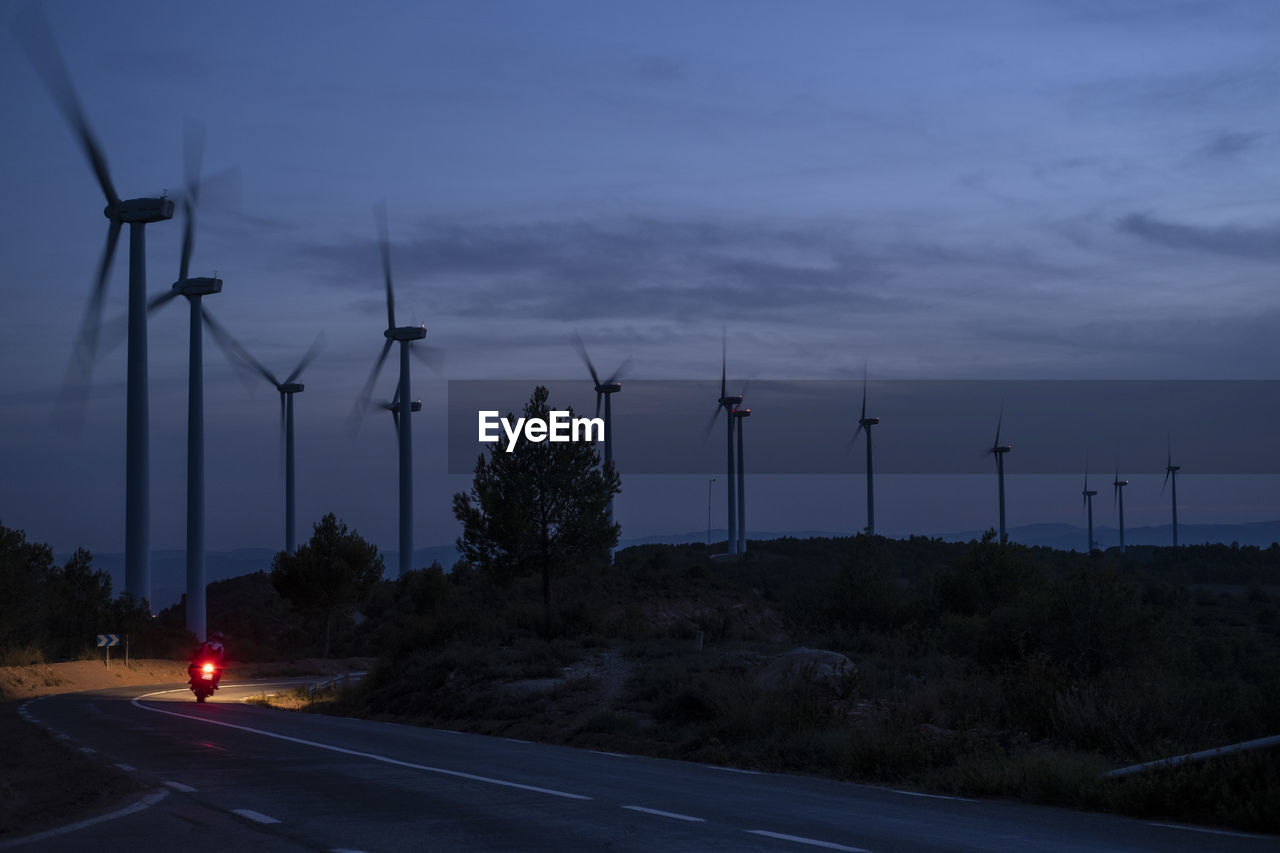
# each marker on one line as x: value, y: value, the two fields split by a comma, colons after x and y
x: 256, y: 817
x: 88, y: 750
x: 145, y: 803
x: 178, y: 786
x: 812, y: 842
x: 661, y: 813
x: 127, y: 768
x: 614, y: 754
x: 514, y: 740
x: 932, y: 796
x: 734, y: 770
x: 1207, y: 830
x: 457, y: 774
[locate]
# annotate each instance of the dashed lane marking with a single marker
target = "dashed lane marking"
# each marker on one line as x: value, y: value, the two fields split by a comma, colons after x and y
x: 127, y: 768
x: 812, y: 842
x: 1207, y: 830
x: 660, y: 813
x: 178, y: 786
x: 932, y: 796
x: 256, y: 817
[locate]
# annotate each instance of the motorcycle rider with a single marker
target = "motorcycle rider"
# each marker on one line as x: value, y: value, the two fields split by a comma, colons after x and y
x: 210, y: 651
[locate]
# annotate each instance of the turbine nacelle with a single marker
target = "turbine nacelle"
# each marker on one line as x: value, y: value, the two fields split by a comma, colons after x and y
x: 201, y: 286
x: 415, y: 406
x: 1173, y: 468
x: 1120, y: 484
x: 1002, y: 448
x: 730, y: 402
x: 140, y: 210
x: 1088, y: 493
x: 608, y: 387
x: 741, y: 413
x: 868, y: 422
x: 291, y: 388
x: 406, y: 333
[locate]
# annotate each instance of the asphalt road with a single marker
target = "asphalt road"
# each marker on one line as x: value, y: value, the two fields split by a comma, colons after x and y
x: 230, y: 776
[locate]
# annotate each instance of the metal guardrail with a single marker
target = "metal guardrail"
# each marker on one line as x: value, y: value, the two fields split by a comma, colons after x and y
x: 1260, y: 743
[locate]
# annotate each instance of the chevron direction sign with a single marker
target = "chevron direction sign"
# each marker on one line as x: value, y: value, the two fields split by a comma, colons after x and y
x: 108, y: 640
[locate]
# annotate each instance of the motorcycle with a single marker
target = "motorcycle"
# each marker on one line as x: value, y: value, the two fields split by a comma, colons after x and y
x: 204, y: 678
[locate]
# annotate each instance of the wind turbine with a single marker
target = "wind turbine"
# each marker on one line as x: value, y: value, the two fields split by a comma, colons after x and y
x: 739, y: 415
x: 728, y: 404
x: 1088, y: 504
x: 1171, y: 475
x: 194, y: 289
x: 287, y: 389
x: 394, y: 408
x: 866, y: 423
x: 1118, y: 495
x: 999, y: 450
x: 404, y: 335
x: 605, y: 389
x: 45, y: 57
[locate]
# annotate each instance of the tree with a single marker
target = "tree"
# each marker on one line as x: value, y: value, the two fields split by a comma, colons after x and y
x: 80, y: 597
x: 330, y: 575
x: 539, y: 508
x: 25, y: 571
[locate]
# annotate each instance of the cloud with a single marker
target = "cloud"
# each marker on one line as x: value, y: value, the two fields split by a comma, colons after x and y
x: 632, y: 267
x: 1227, y: 145
x: 1240, y: 241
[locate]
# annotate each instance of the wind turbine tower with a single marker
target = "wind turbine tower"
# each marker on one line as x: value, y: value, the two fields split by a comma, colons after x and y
x: 1119, y: 497
x: 740, y: 415
x: 1088, y: 505
x: 999, y: 450
x: 1171, y: 478
x: 287, y: 389
x: 728, y: 404
x: 137, y: 213
x: 866, y: 423
x: 405, y: 336
x: 606, y: 390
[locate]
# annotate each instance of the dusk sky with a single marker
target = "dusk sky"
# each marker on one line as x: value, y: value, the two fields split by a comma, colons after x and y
x: 938, y: 190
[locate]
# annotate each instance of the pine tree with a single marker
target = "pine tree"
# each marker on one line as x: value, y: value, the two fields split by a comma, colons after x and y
x: 541, y: 508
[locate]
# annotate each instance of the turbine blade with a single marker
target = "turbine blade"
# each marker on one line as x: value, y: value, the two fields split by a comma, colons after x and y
x: 706, y: 433
x: 586, y: 359
x: 432, y: 357
x: 384, y: 246
x: 160, y: 300
x: 373, y: 374
x: 193, y: 135
x: 999, y: 424
x: 724, y: 361
x: 87, y: 340
x: 188, y: 238
x: 32, y: 29
x: 853, y: 441
x: 234, y: 350
x: 395, y: 419
x: 863, y: 416
x: 622, y: 368
x: 314, y: 350
x: 1167, y: 472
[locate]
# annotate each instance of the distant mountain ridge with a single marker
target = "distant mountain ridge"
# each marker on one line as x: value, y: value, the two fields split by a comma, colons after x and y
x: 169, y: 567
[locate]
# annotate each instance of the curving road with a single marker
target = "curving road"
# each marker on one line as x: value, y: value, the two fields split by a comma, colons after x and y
x: 230, y: 776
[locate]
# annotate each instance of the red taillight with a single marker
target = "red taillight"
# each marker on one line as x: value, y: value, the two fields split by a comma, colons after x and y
x: 208, y: 668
